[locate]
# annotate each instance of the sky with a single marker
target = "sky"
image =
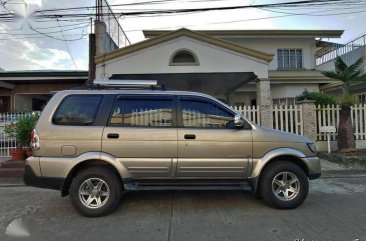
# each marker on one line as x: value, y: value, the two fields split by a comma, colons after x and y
x: 23, y: 48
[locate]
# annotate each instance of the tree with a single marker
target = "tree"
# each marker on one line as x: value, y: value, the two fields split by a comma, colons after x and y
x: 348, y: 74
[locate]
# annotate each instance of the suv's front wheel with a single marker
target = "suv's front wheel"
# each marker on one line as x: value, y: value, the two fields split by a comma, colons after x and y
x: 284, y: 185
x: 95, y: 192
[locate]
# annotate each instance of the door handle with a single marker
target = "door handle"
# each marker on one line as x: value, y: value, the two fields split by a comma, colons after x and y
x: 113, y: 135
x: 190, y: 136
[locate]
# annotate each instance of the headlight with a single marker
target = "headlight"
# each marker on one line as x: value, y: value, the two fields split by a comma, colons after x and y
x: 312, y: 147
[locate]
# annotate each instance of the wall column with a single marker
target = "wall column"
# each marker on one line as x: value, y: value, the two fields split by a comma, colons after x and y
x: 309, y: 118
x: 103, y: 41
x: 264, y: 101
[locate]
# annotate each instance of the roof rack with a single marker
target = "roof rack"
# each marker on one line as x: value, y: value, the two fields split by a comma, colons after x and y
x: 125, y: 84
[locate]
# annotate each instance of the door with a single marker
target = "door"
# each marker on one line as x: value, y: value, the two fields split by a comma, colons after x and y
x: 209, y: 145
x: 4, y: 104
x: 141, y: 134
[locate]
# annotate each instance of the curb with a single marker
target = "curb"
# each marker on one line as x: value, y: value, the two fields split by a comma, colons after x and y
x: 12, y: 185
x: 11, y: 181
x: 343, y: 173
x: 348, y: 161
x: 12, y: 168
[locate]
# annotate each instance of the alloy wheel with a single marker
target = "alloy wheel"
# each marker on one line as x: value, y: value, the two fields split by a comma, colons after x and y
x: 286, y: 186
x: 94, y: 193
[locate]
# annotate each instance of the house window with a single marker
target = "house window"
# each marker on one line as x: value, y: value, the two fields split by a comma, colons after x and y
x: 183, y: 57
x: 361, y: 98
x: 284, y: 101
x: 289, y: 58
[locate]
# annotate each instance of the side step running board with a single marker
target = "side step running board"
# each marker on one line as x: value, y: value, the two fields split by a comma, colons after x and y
x: 135, y: 186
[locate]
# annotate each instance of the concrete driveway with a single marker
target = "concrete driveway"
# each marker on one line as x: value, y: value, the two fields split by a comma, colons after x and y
x: 334, y: 210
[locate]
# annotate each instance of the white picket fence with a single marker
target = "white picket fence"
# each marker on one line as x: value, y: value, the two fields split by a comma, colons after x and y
x: 285, y: 117
x: 249, y: 112
x: 6, y: 143
x: 329, y: 116
x: 288, y: 118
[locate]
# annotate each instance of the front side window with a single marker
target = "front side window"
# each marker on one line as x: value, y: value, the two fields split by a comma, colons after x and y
x: 289, y: 58
x: 142, y: 113
x: 202, y: 114
x: 77, y: 110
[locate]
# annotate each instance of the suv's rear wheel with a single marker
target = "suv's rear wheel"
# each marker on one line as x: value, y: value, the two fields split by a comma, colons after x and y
x: 284, y: 185
x: 95, y: 192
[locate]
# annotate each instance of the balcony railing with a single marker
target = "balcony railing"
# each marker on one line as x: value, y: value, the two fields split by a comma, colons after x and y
x: 349, y: 52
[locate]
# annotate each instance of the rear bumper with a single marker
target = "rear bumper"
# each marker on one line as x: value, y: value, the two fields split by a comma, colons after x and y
x: 31, y: 179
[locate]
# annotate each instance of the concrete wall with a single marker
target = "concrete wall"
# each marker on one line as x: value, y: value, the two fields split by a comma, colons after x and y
x: 248, y: 92
x: 155, y: 59
x: 270, y: 45
x: 329, y: 65
x: 291, y: 90
x: 323, y: 145
x: 242, y: 98
x: 103, y: 41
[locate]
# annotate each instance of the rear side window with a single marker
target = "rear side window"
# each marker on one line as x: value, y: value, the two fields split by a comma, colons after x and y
x: 142, y: 113
x: 77, y: 110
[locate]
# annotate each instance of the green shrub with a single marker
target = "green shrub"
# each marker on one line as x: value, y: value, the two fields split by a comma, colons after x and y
x: 320, y: 98
x: 21, y: 130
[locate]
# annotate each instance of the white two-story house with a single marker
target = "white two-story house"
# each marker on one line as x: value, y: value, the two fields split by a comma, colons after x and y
x: 242, y: 67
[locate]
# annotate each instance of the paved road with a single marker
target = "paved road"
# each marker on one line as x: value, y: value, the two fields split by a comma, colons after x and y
x: 335, y: 210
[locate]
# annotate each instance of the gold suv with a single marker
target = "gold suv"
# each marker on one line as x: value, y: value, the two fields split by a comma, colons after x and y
x: 94, y: 144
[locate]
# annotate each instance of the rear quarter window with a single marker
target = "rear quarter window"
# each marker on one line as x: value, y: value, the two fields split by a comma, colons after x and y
x: 77, y: 110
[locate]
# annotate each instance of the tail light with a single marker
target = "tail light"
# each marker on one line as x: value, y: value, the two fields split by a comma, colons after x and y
x: 34, y: 140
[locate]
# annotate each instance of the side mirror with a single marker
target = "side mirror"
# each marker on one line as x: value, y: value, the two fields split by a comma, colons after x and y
x: 238, y: 120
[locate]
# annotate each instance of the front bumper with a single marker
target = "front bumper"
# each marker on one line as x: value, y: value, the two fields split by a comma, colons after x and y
x: 314, y: 168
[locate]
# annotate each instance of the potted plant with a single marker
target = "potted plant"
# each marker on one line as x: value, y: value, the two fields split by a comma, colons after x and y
x: 20, y: 131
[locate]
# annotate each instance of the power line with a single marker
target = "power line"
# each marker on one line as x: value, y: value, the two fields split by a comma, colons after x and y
x: 286, y: 4
x: 42, y: 36
x: 78, y: 17
x: 67, y: 46
x: 49, y: 27
x: 119, y: 25
x: 56, y: 38
x: 30, y: 34
x: 42, y: 13
x: 240, y: 20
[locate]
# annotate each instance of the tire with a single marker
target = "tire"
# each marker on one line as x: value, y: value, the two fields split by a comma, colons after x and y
x: 284, y: 185
x: 96, y: 192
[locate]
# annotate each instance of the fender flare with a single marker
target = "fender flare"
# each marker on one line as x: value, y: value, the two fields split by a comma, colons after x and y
x: 260, y: 163
x: 91, y: 156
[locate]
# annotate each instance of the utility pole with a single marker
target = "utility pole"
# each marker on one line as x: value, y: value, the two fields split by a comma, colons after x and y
x: 91, y: 74
x: 92, y: 47
x: 101, y: 40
